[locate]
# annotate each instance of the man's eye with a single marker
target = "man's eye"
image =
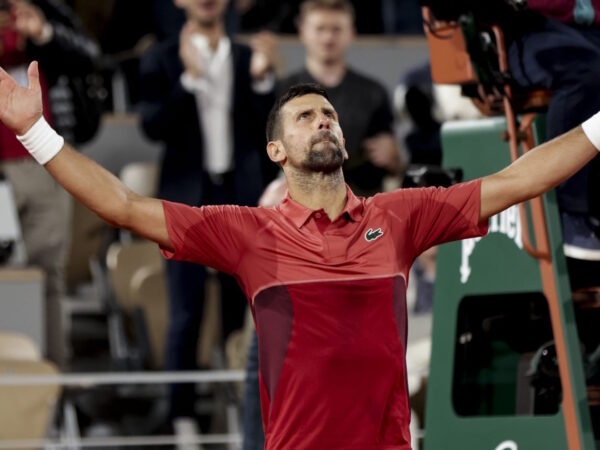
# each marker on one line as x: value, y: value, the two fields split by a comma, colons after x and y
x: 304, y: 115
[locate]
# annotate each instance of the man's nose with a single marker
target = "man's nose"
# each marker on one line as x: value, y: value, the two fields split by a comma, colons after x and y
x: 324, y: 122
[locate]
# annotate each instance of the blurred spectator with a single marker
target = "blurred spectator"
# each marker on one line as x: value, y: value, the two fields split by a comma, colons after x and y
x: 125, y: 29
x: 326, y: 29
x: 206, y: 97
x: 46, y: 31
x: 374, y: 17
x: 169, y: 19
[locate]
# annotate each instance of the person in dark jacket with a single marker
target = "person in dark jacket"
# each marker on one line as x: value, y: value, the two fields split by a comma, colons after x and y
x: 206, y: 98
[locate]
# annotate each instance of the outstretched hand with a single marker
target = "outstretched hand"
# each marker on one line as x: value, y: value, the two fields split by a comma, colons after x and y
x: 264, y: 53
x: 20, y: 107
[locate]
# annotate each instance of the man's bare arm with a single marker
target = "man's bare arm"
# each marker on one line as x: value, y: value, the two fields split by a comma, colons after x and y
x: 536, y: 172
x: 88, y: 182
x: 104, y: 194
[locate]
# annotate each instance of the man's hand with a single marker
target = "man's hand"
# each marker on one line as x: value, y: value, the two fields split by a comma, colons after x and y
x: 20, y: 107
x: 192, y: 63
x: 383, y: 152
x: 264, y: 51
x: 274, y: 192
x: 29, y: 20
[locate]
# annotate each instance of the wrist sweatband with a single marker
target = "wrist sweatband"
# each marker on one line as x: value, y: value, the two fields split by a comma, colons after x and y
x: 42, y: 142
x: 591, y: 128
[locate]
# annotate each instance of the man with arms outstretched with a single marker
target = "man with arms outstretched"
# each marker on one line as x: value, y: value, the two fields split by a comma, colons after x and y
x: 325, y: 271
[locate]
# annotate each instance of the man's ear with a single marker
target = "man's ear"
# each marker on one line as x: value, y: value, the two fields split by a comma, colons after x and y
x: 346, y: 156
x: 276, y: 151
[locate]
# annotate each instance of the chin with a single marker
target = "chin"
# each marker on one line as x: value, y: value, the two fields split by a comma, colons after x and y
x: 329, y: 57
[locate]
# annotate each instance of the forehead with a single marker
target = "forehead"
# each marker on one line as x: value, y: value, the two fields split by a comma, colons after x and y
x: 318, y: 16
x: 306, y: 102
x: 203, y: 6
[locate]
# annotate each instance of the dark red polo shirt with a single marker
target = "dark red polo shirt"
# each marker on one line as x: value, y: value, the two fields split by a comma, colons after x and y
x: 329, y: 303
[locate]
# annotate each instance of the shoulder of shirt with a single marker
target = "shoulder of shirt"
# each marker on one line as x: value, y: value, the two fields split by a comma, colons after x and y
x: 399, y: 194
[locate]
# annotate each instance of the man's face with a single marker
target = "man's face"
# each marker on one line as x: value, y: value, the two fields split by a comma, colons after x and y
x: 311, y: 134
x: 205, y: 12
x: 326, y: 34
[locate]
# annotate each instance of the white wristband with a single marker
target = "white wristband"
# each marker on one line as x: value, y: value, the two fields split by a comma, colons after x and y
x: 42, y: 142
x: 591, y: 128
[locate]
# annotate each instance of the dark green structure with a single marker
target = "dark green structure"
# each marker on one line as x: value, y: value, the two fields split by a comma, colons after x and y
x: 499, y: 315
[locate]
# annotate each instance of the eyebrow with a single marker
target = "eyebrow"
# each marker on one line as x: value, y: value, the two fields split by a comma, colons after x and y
x: 330, y: 110
x: 325, y: 109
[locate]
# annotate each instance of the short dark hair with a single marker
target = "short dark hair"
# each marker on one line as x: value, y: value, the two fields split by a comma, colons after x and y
x: 309, y: 6
x: 297, y: 90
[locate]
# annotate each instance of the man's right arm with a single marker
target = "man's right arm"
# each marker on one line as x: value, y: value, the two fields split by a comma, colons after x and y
x: 104, y: 194
x: 91, y: 184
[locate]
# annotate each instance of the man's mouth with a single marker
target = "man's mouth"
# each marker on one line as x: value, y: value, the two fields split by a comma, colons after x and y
x: 325, y: 136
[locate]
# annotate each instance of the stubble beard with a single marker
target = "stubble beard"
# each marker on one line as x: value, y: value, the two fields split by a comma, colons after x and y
x: 326, y: 160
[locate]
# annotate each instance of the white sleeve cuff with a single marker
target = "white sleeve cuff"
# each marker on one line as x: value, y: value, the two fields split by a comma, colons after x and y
x: 591, y: 128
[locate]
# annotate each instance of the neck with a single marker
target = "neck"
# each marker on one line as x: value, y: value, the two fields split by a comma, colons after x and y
x: 326, y: 73
x: 319, y: 191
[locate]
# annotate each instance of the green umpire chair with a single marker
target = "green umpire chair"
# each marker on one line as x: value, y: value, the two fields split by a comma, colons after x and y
x: 513, y: 363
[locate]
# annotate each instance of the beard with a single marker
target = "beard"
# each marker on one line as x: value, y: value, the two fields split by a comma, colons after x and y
x: 326, y: 154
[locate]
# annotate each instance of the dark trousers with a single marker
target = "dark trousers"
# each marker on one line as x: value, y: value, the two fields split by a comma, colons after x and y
x: 565, y: 60
x: 186, y: 288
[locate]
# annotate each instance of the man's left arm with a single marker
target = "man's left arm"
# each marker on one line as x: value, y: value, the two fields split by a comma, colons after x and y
x: 539, y: 170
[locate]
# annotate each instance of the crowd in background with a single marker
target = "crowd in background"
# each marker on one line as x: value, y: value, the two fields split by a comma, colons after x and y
x: 148, y: 45
x: 90, y: 44
x: 125, y: 29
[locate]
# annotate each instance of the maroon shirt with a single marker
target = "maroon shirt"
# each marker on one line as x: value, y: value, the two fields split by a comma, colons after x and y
x: 329, y: 303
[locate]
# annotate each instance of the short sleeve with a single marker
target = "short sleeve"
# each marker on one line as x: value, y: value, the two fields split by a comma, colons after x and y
x: 437, y: 215
x: 214, y: 236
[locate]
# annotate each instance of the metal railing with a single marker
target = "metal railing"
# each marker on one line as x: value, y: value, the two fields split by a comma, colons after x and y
x: 70, y: 438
